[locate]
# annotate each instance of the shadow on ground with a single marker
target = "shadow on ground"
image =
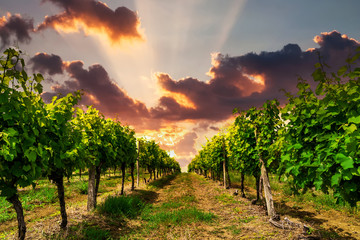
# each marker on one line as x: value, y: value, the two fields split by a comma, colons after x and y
x: 307, y: 217
x: 98, y: 226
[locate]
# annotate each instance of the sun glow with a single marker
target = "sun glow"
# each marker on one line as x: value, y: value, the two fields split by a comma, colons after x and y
x: 167, y: 136
x: 75, y: 25
x: 256, y: 78
x: 180, y: 99
x: 93, y: 99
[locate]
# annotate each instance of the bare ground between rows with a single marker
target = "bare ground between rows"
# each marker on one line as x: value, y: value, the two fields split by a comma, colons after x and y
x: 234, y: 220
x: 236, y: 217
x: 44, y: 222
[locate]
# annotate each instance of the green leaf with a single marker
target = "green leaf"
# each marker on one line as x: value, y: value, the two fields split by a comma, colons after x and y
x: 352, y: 128
x: 12, y: 132
x: 339, y: 158
x: 335, y: 179
x: 342, y: 70
x: 26, y: 168
x: 355, y: 120
x: 31, y: 154
x: 297, y: 146
x: 38, y: 78
x: 348, y: 163
x: 39, y: 88
x: 345, y: 161
x: 318, y: 183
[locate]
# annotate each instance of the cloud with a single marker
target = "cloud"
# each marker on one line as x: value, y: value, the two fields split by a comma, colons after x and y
x: 335, y: 47
x: 45, y: 63
x: 248, y: 80
x: 235, y: 82
x: 15, y: 25
x: 94, y: 17
x: 100, y: 90
x: 335, y: 41
x: 186, y: 145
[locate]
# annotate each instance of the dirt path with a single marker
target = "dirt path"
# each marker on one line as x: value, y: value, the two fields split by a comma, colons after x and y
x: 235, y: 217
x: 44, y: 222
x: 183, y: 206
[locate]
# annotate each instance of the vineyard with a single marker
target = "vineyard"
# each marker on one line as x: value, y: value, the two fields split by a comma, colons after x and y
x: 55, y: 140
x: 312, y: 142
x: 120, y: 186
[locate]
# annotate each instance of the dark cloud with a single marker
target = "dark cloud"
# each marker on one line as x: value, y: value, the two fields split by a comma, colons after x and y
x: 249, y: 80
x: 100, y: 91
x: 236, y: 82
x: 45, y: 63
x: 335, y: 47
x: 335, y: 41
x: 201, y: 94
x: 15, y: 25
x: 187, y: 144
x: 94, y: 16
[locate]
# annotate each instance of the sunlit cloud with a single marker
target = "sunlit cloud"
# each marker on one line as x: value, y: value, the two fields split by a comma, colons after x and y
x: 188, y: 109
x: 257, y: 78
x: 337, y: 38
x: 94, y: 18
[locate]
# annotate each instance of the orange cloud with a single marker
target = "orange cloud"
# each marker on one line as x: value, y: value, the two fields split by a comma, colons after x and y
x: 94, y: 17
x: 180, y: 98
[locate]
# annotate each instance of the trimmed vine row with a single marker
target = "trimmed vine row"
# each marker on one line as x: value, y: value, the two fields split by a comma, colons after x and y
x: 39, y: 140
x: 312, y: 142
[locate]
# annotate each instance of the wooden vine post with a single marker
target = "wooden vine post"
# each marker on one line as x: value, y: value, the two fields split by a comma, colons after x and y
x: 267, y: 188
x: 224, y: 163
x: 137, y: 163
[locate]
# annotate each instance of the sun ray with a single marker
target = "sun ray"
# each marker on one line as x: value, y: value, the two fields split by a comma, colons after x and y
x: 228, y: 23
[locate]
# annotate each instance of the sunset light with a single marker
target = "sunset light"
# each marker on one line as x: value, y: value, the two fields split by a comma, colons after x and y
x: 133, y: 60
x: 259, y: 79
x: 206, y: 86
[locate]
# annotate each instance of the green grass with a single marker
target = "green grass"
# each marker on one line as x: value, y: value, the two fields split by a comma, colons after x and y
x: 235, y: 229
x: 177, y: 210
x: 171, y: 204
x: 319, y: 200
x: 187, y: 199
x: 29, y: 200
x: 81, y: 232
x: 38, y: 196
x: 176, y: 217
x: 46, y: 193
x: 81, y: 187
x: 246, y: 219
x: 121, y: 206
x: 225, y: 198
x: 161, y: 182
x: 95, y: 233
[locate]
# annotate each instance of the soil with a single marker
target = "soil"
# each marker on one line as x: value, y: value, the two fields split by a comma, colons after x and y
x: 236, y: 217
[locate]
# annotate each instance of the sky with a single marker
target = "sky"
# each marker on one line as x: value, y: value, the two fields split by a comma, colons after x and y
x: 175, y: 70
